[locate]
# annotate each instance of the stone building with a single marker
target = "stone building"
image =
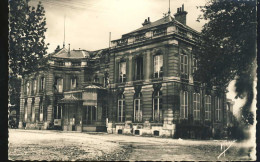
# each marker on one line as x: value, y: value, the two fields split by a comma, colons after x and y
x: 142, y: 85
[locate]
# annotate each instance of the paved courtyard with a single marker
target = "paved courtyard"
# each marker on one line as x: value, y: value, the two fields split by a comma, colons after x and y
x: 58, y: 145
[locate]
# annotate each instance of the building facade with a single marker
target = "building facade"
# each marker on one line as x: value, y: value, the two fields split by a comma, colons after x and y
x: 142, y: 85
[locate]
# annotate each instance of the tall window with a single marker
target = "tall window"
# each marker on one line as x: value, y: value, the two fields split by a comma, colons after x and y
x: 207, y: 107
x: 33, y: 111
x: 89, y: 114
x: 25, y: 111
x: 121, y: 108
x: 184, y: 104
x: 42, y: 82
x: 58, y: 85
x: 104, y: 111
x: 27, y: 88
x: 184, y: 64
x: 57, y: 112
x: 217, y: 107
x: 157, y: 106
x: 158, y: 66
x: 41, y: 112
x: 34, y: 86
x: 196, y: 106
x: 122, y: 72
x: 195, y: 65
x: 73, y: 83
x: 139, y: 68
x: 137, y: 107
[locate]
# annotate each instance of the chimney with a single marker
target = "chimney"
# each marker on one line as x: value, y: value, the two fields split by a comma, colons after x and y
x: 181, y: 15
x: 146, y: 21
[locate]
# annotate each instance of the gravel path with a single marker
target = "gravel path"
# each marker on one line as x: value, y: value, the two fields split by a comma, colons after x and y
x: 71, y: 146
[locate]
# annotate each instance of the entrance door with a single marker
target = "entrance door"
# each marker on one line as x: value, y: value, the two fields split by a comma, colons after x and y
x: 89, y: 114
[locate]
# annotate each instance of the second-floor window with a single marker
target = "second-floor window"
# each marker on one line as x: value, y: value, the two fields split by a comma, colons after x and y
x: 42, y: 82
x: 158, y: 66
x: 58, y: 85
x: 27, y: 88
x: 196, y: 106
x: 139, y: 68
x: 184, y: 104
x: 73, y: 83
x: 207, y: 107
x: 184, y: 64
x: 122, y: 72
x: 195, y: 65
x: 34, y: 86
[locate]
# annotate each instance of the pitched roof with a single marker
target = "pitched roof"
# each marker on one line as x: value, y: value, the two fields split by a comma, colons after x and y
x: 161, y: 21
x: 63, y: 53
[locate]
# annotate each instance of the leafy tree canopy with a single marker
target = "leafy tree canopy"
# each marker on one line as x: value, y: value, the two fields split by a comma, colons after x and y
x: 227, y: 49
x: 26, y: 39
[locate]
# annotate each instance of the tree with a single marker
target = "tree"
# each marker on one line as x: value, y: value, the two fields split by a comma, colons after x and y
x: 227, y: 49
x: 26, y: 39
x: 26, y: 43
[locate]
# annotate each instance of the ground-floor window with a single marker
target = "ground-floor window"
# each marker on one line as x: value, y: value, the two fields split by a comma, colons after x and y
x: 217, y: 107
x: 33, y: 112
x: 137, y: 108
x: 89, y: 114
x: 25, y: 111
x: 57, y: 112
x: 41, y: 112
x: 207, y: 107
x: 121, y: 108
x: 196, y: 106
x: 157, y: 106
x: 184, y: 104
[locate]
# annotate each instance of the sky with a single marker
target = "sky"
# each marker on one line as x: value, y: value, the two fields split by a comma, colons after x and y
x: 88, y: 22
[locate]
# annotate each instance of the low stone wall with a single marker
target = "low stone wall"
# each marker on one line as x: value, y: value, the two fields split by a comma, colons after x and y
x: 142, y: 129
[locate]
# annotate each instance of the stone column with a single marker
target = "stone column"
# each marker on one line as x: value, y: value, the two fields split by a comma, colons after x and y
x: 147, y: 102
x: 29, y: 110
x: 148, y: 66
x: 130, y: 72
x: 129, y: 97
x: 36, y: 108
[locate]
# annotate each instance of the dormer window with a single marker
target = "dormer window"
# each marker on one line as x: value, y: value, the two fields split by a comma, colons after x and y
x: 159, y: 32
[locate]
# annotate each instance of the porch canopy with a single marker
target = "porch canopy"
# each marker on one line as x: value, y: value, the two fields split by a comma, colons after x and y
x: 70, y: 99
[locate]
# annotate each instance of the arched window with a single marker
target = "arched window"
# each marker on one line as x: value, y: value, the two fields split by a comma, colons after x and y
x: 196, y: 106
x: 121, y: 108
x: 138, y: 107
x: 157, y: 106
x: 207, y: 107
x: 184, y: 104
